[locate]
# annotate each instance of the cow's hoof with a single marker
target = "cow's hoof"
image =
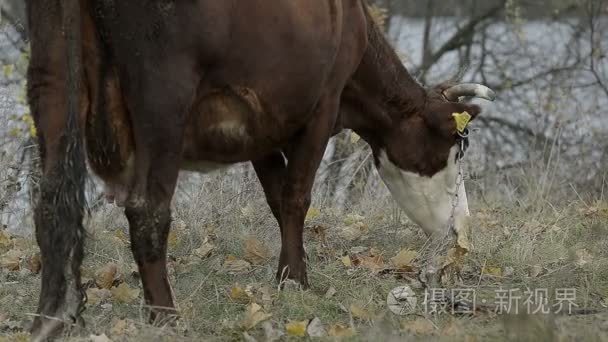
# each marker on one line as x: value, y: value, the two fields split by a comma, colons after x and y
x: 287, y: 278
x: 163, y: 318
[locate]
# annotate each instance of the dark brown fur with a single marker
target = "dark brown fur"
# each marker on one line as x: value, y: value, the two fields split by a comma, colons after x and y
x: 170, y: 83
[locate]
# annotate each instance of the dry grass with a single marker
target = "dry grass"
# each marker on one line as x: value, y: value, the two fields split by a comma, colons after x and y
x: 529, y: 243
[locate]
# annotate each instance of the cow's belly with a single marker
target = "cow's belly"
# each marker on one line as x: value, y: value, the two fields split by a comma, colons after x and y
x: 231, y: 124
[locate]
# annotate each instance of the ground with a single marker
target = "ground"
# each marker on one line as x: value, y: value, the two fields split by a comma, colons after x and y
x: 224, y: 253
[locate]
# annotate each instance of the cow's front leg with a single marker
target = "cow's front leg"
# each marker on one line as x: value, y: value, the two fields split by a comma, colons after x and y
x: 271, y: 172
x: 304, y: 156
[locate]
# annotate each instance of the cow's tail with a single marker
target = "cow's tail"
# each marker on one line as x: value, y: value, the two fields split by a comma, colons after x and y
x: 61, y: 207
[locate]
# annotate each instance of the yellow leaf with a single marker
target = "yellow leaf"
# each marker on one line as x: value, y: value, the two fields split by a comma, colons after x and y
x: 253, y: 316
x: 238, y: 294
x: 404, y: 258
x: 121, y: 236
x: 234, y: 265
x: 255, y: 251
x: 96, y: 296
x: 119, y: 328
x: 346, y: 261
x: 11, y: 260
x: 353, y: 231
x: 493, y: 271
x: 374, y: 263
x: 204, y: 250
x: 15, y: 132
x: 312, y: 213
x: 296, y: 328
x: 124, y: 294
x: 172, y: 239
x: 18, y: 337
x: 8, y: 70
x: 5, y: 241
x: 353, y: 218
x: 340, y: 330
x: 104, y: 277
x: 359, y: 312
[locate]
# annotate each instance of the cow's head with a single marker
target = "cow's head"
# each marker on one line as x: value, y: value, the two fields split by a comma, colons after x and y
x: 418, y: 158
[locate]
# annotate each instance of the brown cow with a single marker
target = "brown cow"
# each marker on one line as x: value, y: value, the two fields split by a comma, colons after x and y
x: 152, y: 87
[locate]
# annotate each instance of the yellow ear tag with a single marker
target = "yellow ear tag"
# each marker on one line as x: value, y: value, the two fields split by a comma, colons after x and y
x: 462, y: 120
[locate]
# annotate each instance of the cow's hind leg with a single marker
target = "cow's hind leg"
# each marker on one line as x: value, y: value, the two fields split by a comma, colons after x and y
x: 158, y: 109
x: 60, y: 208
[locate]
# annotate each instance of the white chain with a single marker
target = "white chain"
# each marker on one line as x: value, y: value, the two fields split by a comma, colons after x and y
x: 459, y: 181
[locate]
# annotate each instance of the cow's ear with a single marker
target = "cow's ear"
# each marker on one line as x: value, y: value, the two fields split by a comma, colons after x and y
x: 447, y: 118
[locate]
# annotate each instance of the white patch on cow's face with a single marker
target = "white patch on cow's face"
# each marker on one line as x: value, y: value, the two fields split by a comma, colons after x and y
x: 427, y: 200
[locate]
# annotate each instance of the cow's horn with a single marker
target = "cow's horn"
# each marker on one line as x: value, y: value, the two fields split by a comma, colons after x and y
x: 469, y: 89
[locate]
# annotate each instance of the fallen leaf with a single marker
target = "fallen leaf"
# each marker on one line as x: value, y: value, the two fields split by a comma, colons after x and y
x: 340, y: 330
x: 358, y: 250
x: 354, y: 138
x: 266, y: 293
x: 315, y: 328
x: 312, y: 213
x: 402, y: 300
x: 99, y: 338
x: 419, y: 326
x: 11, y: 260
x: 374, y: 263
x: 104, y: 277
x: 353, y: 218
x: 172, y: 239
x: 253, y: 316
x: 124, y: 294
x: 248, y: 211
x: 34, y: 263
x: 204, y: 250
x: 256, y: 252
x: 359, y: 312
x: 535, y: 271
x: 319, y: 232
x: 296, y: 328
x: 96, y: 296
x: 403, y: 259
x: 583, y: 257
x: 233, y: 264
x: 346, y: 261
x: 5, y: 241
x: 353, y: 232
x: 493, y: 271
x: 120, y: 235
x: 248, y: 338
x: 270, y: 333
x: 238, y: 294
x: 330, y: 292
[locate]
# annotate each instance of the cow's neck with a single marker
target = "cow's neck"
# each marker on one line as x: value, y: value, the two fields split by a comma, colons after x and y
x: 381, y: 92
